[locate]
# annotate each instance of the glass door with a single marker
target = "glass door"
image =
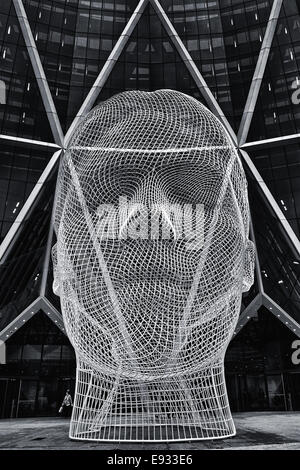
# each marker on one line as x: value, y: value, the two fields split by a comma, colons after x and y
x: 27, y: 398
x: 294, y: 391
x: 47, y: 399
x: 9, y: 389
x: 256, y: 393
x: 277, y: 398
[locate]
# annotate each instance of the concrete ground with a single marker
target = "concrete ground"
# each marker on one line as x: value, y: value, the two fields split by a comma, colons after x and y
x: 255, y: 431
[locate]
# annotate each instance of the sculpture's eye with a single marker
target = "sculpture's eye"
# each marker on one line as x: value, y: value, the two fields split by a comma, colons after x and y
x: 107, y: 181
x: 181, y: 178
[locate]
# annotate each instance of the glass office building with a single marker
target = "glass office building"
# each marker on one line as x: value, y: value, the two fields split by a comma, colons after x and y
x: 58, y: 59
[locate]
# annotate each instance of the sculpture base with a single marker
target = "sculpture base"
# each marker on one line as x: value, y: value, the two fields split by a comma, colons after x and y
x: 175, y: 408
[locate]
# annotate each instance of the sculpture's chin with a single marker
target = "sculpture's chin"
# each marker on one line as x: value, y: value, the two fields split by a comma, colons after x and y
x: 152, y: 336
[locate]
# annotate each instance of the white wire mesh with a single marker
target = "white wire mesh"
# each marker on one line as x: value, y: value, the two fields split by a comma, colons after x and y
x: 150, y: 316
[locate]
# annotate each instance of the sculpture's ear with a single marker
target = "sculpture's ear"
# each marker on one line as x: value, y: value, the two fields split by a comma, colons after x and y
x: 56, y: 284
x: 249, y: 262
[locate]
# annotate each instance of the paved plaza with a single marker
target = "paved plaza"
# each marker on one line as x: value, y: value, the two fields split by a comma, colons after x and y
x: 257, y: 431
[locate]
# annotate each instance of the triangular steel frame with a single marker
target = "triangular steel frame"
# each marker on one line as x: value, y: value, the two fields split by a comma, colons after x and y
x: 61, y: 142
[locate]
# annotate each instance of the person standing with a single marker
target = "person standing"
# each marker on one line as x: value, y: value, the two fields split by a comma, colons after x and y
x: 66, y: 406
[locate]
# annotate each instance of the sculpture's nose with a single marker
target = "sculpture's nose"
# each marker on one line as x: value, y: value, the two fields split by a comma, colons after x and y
x: 149, y: 213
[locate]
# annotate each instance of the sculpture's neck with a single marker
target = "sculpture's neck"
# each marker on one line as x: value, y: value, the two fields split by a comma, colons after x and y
x: 176, y: 408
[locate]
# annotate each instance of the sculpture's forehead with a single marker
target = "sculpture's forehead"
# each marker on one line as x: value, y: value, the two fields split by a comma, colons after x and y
x: 150, y: 121
x: 143, y: 129
x: 205, y: 159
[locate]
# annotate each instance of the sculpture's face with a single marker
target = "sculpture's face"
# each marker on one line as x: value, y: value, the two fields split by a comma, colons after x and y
x: 141, y: 291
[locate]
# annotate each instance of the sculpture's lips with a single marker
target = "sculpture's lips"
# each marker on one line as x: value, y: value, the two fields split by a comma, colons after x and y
x: 133, y: 275
x: 163, y: 281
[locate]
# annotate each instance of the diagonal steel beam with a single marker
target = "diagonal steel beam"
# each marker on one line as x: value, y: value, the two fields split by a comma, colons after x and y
x: 192, y: 68
x: 281, y: 314
x: 26, y: 210
x: 52, y: 313
x: 47, y: 257
x: 275, y: 309
x: 257, y: 263
x: 259, y: 72
x: 20, y: 320
x: 39, y: 72
x: 41, y: 303
x: 107, y: 68
x: 295, y: 243
x: 249, y: 312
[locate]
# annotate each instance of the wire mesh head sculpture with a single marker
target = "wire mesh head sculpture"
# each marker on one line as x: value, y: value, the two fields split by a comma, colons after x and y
x: 151, y: 260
